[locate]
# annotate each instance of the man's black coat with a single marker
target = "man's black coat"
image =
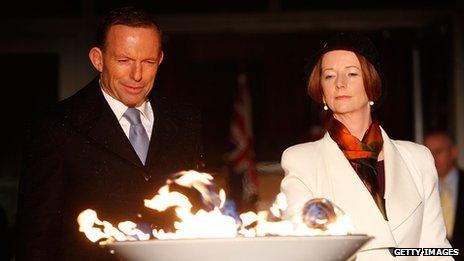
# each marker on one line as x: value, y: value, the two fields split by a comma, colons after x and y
x: 458, y: 231
x: 78, y: 157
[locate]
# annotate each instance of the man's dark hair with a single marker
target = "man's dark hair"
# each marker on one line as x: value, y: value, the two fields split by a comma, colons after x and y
x: 129, y: 16
x: 442, y: 133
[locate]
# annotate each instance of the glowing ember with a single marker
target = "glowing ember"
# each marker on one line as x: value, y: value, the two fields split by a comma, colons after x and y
x: 219, y: 222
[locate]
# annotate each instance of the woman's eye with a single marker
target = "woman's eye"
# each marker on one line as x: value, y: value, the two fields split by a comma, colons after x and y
x: 328, y: 77
x: 353, y: 74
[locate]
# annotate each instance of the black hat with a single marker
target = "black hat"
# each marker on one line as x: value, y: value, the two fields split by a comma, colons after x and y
x: 351, y: 42
x: 354, y: 42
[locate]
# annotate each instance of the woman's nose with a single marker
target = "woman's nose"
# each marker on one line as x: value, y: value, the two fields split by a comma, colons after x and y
x: 340, y: 81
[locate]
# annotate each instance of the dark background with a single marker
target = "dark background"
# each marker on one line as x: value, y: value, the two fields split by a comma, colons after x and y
x: 43, y: 58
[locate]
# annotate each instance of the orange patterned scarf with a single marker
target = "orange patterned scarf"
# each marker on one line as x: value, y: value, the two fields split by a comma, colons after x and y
x: 362, y: 155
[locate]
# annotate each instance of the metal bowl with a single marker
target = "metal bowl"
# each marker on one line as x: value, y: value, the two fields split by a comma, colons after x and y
x: 293, y: 248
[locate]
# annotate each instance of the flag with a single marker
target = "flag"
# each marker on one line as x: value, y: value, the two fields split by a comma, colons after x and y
x: 242, y: 158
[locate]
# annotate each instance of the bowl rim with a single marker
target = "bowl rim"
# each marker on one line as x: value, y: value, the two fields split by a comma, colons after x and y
x: 241, y: 239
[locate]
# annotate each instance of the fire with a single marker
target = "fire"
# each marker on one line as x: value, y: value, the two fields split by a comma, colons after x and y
x: 87, y: 219
x: 217, y: 223
x: 203, y: 224
x: 130, y: 228
x: 279, y: 206
x: 165, y: 199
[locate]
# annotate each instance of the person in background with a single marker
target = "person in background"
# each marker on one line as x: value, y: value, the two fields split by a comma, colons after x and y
x: 107, y: 148
x: 388, y: 188
x: 451, y: 184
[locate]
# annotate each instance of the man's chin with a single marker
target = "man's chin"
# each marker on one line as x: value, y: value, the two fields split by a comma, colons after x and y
x: 133, y: 103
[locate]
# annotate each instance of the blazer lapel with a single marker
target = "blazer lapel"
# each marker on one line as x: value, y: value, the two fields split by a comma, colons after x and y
x: 95, y: 119
x: 162, y: 137
x: 401, y: 194
x: 350, y: 194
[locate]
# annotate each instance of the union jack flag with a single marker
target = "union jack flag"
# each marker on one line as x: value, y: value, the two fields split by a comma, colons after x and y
x: 241, y: 134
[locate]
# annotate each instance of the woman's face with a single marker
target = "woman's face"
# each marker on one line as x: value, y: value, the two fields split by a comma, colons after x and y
x: 342, y: 83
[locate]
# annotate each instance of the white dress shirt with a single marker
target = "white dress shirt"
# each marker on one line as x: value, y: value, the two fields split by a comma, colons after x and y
x: 146, y: 114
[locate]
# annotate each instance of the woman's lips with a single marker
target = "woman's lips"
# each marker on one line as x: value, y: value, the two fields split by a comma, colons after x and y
x: 342, y: 97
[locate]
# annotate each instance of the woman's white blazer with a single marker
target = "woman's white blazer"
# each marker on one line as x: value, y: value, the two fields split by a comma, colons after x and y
x: 320, y: 169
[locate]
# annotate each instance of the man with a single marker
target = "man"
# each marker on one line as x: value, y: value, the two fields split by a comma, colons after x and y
x: 451, y: 184
x: 106, y: 148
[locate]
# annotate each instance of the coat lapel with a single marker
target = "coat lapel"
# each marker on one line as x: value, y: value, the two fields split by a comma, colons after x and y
x: 94, y: 119
x: 350, y: 194
x: 164, y: 132
x: 401, y: 195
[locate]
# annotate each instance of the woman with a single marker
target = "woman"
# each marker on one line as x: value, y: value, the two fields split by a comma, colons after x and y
x: 388, y: 188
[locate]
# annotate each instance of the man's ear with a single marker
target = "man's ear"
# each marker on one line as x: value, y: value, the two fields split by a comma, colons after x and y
x: 454, y: 153
x: 161, y: 57
x: 96, y: 57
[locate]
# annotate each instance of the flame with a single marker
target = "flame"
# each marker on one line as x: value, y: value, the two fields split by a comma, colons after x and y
x: 222, y: 197
x: 203, y: 224
x: 129, y: 228
x: 279, y: 206
x: 206, y: 224
x: 165, y: 199
x: 87, y: 219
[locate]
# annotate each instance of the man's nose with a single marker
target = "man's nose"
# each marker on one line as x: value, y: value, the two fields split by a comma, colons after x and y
x: 136, y: 72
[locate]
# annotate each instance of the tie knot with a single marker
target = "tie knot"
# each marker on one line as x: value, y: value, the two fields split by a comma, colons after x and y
x: 133, y: 116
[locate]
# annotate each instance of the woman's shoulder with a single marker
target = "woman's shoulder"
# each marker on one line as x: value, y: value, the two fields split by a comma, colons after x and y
x: 419, y: 156
x: 307, y: 147
x: 416, y: 150
x: 302, y: 151
x: 409, y: 147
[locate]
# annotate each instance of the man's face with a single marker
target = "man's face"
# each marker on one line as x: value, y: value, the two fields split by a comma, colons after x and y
x: 443, y: 152
x: 128, y: 63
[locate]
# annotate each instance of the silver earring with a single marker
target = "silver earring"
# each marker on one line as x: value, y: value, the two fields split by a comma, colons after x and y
x: 325, y: 107
x: 371, y: 103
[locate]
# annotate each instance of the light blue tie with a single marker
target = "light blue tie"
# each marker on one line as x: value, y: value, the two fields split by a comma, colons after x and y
x: 137, y: 135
